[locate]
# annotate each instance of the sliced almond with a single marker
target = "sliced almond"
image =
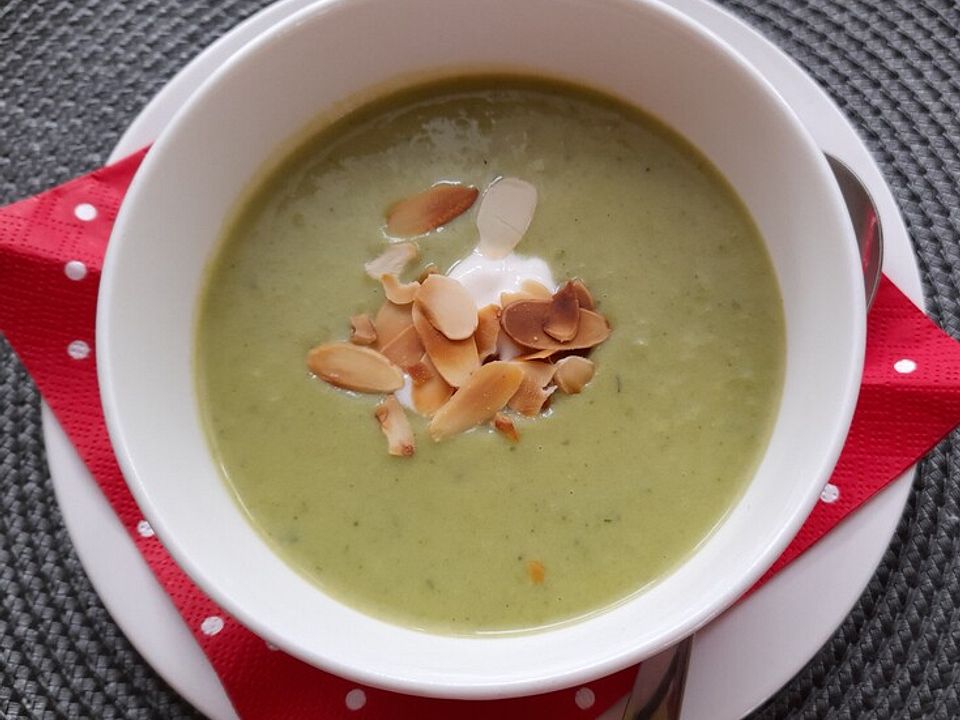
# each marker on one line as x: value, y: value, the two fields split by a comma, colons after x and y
x: 480, y: 398
x: 455, y: 360
x: 430, y: 209
x: 537, y: 355
x: 573, y: 373
x: 421, y: 371
x: 523, y: 321
x: 362, y: 330
x: 391, y: 320
x: 392, y: 260
x: 397, y: 292
x: 563, y: 316
x: 530, y: 397
x: 430, y: 269
x: 448, y: 306
x: 536, y: 290
x: 393, y: 421
x: 540, y: 372
x: 354, y: 367
x: 405, y: 349
x: 529, y: 290
x: 504, y: 215
x: 431, y: 396
x: 507, y: 349
x: 593, y: 330
x: 429, y: 391
x: 488, y: 330
x: 510, y: 297
x: 504, y: 425
x: 583, y: 295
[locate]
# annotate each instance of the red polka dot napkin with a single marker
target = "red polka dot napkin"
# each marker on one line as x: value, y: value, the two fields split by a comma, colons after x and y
x: 51, y: 248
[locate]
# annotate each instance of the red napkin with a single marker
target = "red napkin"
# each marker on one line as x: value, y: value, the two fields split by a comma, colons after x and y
x: 51, y: 249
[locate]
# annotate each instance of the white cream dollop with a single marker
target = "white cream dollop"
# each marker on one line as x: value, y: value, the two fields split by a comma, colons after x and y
x: 485, y: 279
x: 505, y: 213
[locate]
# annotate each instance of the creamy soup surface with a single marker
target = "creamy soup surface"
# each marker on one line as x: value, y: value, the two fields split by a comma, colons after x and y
x: 611, y: 488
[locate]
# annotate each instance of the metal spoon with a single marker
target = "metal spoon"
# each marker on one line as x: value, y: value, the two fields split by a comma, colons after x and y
x: 866, y: 224
x: 658, y: 690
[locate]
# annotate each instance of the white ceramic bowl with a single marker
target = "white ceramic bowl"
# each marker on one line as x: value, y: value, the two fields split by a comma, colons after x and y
x: 319, y: 61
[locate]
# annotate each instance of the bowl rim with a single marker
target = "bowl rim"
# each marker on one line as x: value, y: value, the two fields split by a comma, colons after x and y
x: 533, y: 683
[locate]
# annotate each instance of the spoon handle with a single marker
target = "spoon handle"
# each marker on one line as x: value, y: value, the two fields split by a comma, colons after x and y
x: 866, y: 223
x: 658, y: 690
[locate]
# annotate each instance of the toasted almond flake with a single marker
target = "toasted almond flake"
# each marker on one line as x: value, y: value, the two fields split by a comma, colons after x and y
x: 397, y: 292
x: 536, y: 290
x: 362, y: 330
x: 593, y: 330
x: 540, y: 372
x: 530, y: 397
x: 455, y: 360
x: 523, y: 321
x: 405, y: 349
x: 421, y: 371
x: 431, y: 396
x: 508, y: 297
x: 429, y: 391
x: 504, y: 215
x: 536, y: 571
x: 426, y: 211
x: 429, y: 269
x: 563, y: 317
x: 448, y: 306
x: 504, y: 425
x: 507, y: 349
x: 391, y: 320
x: 488, y: 330
x: 537, y: 355
x: 480, y: 398
x: 354, y: 367
x: 583, y: 295
x: 573, y: 373
x: 392, y: 260
x: 529, y: 290
x: 393, y: 421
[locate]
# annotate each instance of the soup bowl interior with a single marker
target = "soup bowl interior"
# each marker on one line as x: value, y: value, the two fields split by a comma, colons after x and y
x: 322, y: 62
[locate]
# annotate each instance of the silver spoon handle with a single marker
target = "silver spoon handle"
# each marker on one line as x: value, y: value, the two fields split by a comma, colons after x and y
x: 658, y: 690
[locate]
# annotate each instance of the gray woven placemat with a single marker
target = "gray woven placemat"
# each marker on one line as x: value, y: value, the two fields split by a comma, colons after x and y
x: 73, y: 74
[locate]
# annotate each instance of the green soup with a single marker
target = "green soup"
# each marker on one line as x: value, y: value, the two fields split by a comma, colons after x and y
x: 612, y: 488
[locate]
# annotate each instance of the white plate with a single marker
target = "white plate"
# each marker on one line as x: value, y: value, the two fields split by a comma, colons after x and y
x: 739, y: 660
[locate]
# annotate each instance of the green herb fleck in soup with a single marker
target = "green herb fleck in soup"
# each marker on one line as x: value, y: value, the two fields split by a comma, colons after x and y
x: 552, y: 503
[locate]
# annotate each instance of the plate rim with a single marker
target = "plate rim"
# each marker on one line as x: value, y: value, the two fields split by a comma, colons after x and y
x: 157, y: 111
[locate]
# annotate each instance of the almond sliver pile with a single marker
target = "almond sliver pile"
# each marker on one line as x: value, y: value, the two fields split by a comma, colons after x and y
x: 432, y: 331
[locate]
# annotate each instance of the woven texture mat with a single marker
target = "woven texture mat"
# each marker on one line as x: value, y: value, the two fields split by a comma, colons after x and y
x: 74, y: 73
